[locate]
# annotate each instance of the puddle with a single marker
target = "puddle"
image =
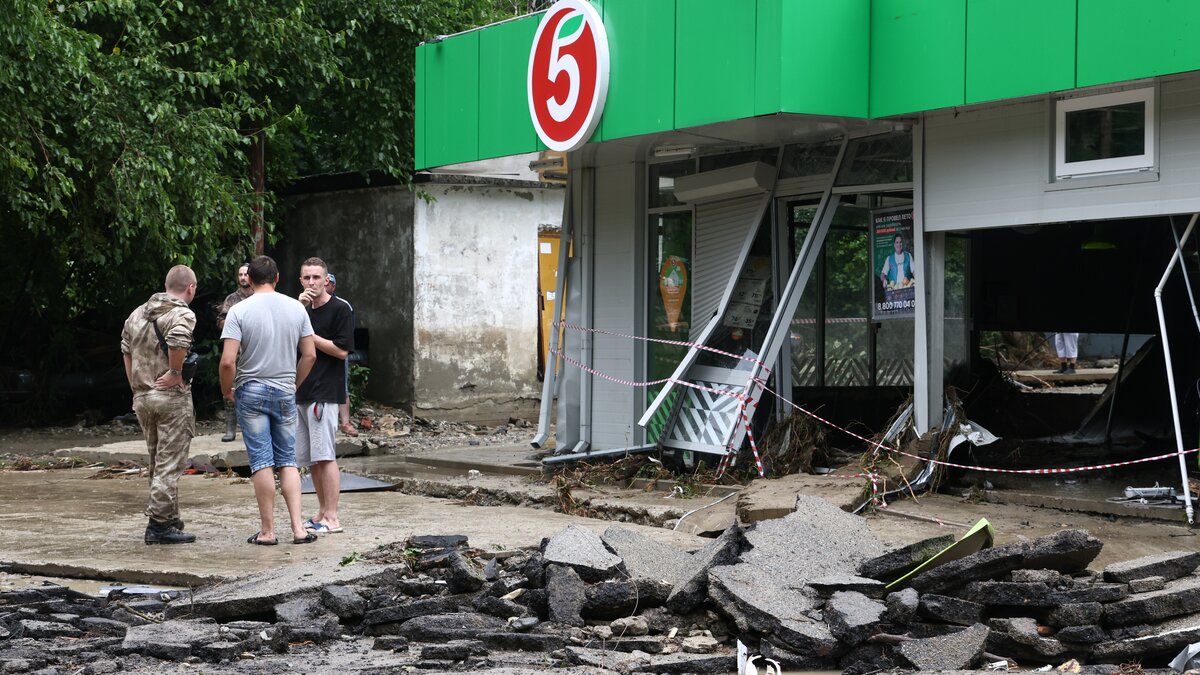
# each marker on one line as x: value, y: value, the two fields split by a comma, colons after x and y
x: 10, y: 581
x: 397, y: 466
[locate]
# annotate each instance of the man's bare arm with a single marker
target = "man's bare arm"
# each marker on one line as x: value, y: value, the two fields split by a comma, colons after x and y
x: 308, y: 356
x: 327, y: 346
x: 228, y: 368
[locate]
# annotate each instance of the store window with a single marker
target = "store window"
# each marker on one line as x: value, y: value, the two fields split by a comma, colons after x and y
x: 877, y: 160
x: 1109, y: 133
x: 670, y: 261
x: 662, y: 182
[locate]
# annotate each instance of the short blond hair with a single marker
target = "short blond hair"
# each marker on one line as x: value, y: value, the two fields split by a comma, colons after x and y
x: 179, y: 278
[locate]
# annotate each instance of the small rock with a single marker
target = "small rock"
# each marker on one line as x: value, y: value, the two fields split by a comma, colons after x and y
x: 700, y: 644
x: 630, y: 626
x: 1147, y: 584
x: 902, y: 605
x: 393, y: 643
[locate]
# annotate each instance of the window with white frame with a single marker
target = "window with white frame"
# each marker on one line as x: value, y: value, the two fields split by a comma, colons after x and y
x: 1105, y: 134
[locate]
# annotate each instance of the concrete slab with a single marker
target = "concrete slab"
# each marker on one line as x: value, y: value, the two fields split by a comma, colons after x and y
x: 776, y: 497
x: 59, y: 523
x: 207, y: 448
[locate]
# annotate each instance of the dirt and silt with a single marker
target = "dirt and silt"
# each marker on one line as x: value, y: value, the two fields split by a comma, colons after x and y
x: 593, y: 491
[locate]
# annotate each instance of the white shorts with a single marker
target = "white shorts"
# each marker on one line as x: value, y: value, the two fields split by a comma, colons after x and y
x: 316, y: 432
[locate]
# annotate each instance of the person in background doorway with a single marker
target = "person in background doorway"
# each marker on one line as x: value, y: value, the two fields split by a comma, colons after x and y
x: 344, y: 409
x: 322, y: 392
x: 260, y: 372
x: 1066, y: 345
x: 162, y: 399
x: 243, y: 291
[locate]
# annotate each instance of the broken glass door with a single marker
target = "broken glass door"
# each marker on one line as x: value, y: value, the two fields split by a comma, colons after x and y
x: 742, y: 336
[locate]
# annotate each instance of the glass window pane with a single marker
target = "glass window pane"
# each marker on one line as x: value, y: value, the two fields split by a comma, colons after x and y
x: 877, y: 160
x: 812, y: 159
x: 670, y: 303
x: 1105, y: 133
x: 847, y: 298
x: 894, y: 353
x: 956, y: 333
x: 802, y: 333
x: 670, y: 293
x: 662, y: 181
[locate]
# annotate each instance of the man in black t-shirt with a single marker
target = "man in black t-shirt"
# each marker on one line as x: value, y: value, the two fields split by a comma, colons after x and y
x: 323, y: 390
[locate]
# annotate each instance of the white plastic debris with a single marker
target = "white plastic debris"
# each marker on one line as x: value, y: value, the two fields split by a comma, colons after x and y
x: 1186, y: 660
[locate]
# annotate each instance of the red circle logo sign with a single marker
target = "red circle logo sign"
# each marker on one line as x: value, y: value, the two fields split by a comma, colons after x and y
x: 568, y: 74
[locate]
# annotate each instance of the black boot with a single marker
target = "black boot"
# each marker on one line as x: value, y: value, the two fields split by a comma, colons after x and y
x: 176, y: 523
x: 166, y: 533
x: 230, y: 428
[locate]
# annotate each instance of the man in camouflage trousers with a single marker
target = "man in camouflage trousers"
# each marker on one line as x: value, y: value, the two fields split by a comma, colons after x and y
x: 161, y: 399
x: 243, y: 291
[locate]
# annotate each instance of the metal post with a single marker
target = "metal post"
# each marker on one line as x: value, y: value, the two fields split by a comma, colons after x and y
x: 1187, y: 282
x: 1162, y: 326
x: 586, y: 238
x: 550, y: 378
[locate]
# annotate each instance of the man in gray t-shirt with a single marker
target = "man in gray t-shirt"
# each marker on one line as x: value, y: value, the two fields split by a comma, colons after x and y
x: 260, y: 372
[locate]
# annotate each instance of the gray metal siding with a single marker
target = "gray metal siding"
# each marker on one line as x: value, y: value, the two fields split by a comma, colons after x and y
x: 720, y: 231
x: 614, y: 304
x: 990, y: 167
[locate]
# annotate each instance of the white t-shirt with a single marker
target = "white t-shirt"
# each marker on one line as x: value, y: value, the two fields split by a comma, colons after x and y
x: 269, y: 327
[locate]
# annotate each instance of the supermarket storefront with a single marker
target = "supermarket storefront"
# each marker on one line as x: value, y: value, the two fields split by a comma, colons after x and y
x: 825, y: 202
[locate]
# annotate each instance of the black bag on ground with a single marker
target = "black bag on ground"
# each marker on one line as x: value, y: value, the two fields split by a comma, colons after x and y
x: 190, y: 362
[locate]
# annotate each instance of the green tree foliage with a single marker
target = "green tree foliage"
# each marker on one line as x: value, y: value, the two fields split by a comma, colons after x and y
x: 127, y: 125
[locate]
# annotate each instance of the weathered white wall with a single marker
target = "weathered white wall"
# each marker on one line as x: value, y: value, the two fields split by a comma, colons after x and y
x: 990, y: 167
x: 475, y: 297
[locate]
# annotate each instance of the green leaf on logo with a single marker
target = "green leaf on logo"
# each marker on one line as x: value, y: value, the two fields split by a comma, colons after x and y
x: 570, y: 26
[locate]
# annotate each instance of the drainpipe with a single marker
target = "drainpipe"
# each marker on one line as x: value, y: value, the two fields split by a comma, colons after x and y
x: 550, y: 379
x: 1162, y: 327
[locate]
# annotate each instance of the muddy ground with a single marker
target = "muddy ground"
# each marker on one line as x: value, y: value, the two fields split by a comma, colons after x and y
x: 221, y: 507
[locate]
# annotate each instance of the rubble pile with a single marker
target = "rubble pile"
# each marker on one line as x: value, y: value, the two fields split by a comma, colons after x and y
x: 808, y: 591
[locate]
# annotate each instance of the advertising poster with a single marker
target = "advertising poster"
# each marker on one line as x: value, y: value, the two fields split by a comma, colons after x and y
x: 894, y: 285
x: 672, y: 285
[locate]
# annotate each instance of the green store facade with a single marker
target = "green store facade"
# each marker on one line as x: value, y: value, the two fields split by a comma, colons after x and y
x: 756, y: 164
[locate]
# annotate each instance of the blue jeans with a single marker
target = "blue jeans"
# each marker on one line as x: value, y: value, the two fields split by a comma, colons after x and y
x: 268, y: 419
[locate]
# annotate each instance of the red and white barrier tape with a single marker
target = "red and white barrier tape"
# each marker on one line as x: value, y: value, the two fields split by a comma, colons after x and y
x: 1077, y: 469
x: 747, y: 400
x: 677, y: 343
x: 650, y: 383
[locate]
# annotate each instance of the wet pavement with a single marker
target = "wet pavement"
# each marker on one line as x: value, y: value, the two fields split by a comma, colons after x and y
x: 61, y: 523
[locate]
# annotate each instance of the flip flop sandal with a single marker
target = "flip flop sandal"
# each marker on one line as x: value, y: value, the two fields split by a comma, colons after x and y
x: 310, y: 524
x: 322, y: 528
x: 260, y: 542
x: 308, y: 538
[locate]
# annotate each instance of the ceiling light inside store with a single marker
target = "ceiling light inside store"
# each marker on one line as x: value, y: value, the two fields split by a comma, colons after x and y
x: 1101, y: 239
x: 674, y: 150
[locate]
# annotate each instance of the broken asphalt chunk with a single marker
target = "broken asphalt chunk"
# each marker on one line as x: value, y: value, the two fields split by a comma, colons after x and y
x: 957, y: 651
x: 1179, y: 597
x: 895, y: 564
x: 691, y: 585
x: 853, y: 617
x: 1170, y: 566
x: 582, y: 550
